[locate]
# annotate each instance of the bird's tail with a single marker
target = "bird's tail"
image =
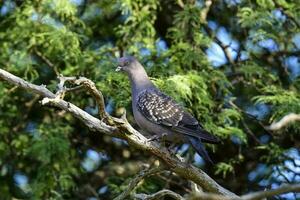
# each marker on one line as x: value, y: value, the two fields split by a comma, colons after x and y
x: 199, y: 147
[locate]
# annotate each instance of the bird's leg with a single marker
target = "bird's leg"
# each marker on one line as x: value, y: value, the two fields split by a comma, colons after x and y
x: 154, y: 138
x: 173, y: 149
x: 163, y: 139
x: 159, y: 138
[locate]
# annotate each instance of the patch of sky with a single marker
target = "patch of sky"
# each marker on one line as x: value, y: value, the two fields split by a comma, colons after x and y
x: 296, y: 40
x: 198, y: 160
x: 244, y: 55
x: 93, y: 160
x: 46, y: 19
x: 91, y: 13
x: 215, y: 53
x: 31, y: 128
x: 103, y: 190
x: 93, y: 110
x: 119, y: 142
x: 264, y: 139
x: 269, y: 44
x: 145, y: 52
x: 161, y: 46
x: 182, y: 149
x: 77, y: 2
x: 287, y: 196
x: 279, y: 15
x: 109, y: 106
x: 212, y: 25
x: 7, y: 7
x: 258, y: 110
x: 21, y: 181
x: 232, y: 2
x: 258, y: 172
x: 264, y: 183
x: 236, y: 140
x: 292, y: 63
x: 252, y: 43
x: 279, y: 174
x: 294, y: 154
x: 199, y: 3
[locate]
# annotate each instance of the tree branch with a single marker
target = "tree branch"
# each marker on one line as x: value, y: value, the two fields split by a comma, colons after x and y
x: 46, y: 60
x: 205, y: 11
x: 159, y: 195
x: 122, y: 129
x: 292, y: 117
x: 270, y: 193
x: 252, y: 196
x: 137, y: 179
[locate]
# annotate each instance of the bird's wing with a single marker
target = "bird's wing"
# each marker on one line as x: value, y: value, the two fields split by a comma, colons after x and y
x: 162, y: 109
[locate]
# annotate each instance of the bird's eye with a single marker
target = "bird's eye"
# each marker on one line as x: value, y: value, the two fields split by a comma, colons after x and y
x: 126, y: 62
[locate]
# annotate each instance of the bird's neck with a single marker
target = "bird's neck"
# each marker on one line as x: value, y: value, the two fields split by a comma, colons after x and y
x: 139, y: 82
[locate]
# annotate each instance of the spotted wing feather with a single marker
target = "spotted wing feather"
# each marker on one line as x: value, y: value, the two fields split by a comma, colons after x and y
x: 161, y: 109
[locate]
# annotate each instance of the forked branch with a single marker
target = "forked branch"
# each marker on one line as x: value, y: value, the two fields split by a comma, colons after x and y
x: 122, y: 129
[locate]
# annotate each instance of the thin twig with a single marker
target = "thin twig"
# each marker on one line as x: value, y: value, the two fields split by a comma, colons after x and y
x: 46, y: 60
x: 249, y: 131
x: 249, y: 115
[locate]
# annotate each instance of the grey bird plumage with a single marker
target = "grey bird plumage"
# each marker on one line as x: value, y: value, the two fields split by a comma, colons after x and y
x: 158, y: 114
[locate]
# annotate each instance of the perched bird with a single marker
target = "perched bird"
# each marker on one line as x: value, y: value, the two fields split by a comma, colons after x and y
x: 159, y: 115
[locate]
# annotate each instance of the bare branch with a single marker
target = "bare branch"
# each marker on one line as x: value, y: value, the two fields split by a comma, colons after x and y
x: 292, y: 117
x: 136, y: 180
x: 209, y: 196
x: 180, y: 3
x: 122, y: 129
x: 205, y: 10
x: 159, y: 195
x: 90, y: 121
x: 270, y: 193
x: 90, y: 86
x: 46, y: 60
x: 252, y: 196
x: 37, y: 89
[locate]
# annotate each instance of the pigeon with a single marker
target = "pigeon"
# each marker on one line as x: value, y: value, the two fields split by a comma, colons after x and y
x: 159, y: 115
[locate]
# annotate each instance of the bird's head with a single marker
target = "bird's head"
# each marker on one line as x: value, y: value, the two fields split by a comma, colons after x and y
x: 127, y: 64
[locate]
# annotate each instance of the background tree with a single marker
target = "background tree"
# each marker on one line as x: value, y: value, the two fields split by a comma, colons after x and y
x: 234, y: 64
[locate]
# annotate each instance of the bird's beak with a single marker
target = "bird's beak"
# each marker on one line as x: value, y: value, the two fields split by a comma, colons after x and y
x: 119, y: 68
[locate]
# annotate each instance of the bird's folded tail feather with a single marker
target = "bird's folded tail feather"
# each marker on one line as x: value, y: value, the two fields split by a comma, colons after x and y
x: 199, y: 147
